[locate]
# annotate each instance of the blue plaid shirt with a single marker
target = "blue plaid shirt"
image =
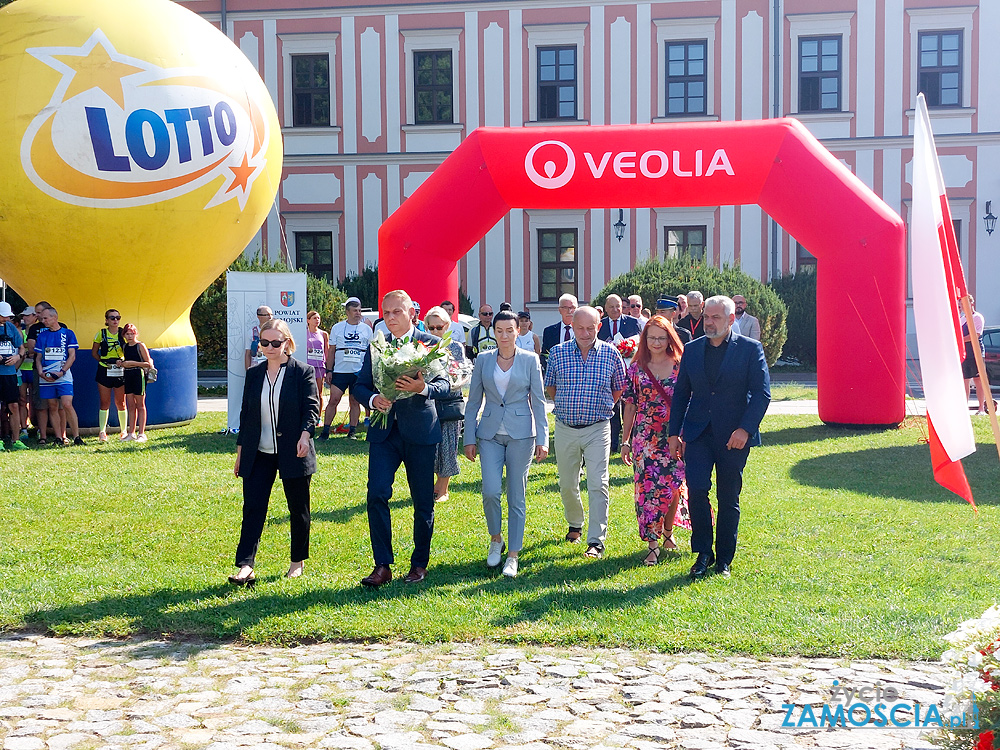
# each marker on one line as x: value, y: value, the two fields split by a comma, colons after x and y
x: 583, y: 387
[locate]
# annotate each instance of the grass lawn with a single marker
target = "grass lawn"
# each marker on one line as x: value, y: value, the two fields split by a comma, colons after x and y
x: 789, y: 391
x: 847, y: 548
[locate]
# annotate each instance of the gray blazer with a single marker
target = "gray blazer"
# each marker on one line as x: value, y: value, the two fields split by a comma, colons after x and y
x: 521, y: 411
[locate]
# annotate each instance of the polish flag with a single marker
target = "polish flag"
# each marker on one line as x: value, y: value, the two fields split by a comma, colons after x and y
x: 938, y: 285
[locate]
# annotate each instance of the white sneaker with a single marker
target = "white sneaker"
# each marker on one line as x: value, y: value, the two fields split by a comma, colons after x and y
x: 496, y: 550
x: 510, y: 567
x: 140, y: 438
x: 127, y: 438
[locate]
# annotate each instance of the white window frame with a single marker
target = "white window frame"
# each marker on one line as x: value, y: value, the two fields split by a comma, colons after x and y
x: 822, y: 24
x: 307, y: 44
x: 313, y: 221
x: 677, y: 30
x: 553, y: 219
x: 942, y: 19
x: 555, y: 35
x: 423, y: 40
x: 683, y: 216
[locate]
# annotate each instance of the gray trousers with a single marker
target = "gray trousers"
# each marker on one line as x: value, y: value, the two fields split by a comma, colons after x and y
x: 572, y: 446
x: 516, y: 455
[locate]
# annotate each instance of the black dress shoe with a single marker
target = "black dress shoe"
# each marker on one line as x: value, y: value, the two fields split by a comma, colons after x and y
x: 378, y: 577
x: 722, y: 569
x: 700, y: 567
x: 416, y: 575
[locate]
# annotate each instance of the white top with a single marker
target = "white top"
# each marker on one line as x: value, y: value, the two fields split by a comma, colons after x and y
x: 526, y: 341
x: 502, y: 379
x: 269, y: 395
x: 351, y: 343
x: 457, y: 332
x: 381, y: 326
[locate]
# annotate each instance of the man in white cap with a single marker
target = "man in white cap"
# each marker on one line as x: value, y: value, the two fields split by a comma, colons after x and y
x: 11, y: 357
x: 349, y: 340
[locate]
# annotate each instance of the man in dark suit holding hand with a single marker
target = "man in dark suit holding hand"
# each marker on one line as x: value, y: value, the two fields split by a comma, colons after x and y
x: 411, y: 439
x: 722, y: 393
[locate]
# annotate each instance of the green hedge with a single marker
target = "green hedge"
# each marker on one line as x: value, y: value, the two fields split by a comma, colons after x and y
x: 652, y: 279
x: 798, y: 292
x: 208, y: 314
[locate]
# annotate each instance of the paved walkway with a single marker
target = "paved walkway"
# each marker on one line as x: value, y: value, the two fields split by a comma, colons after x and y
x: 61, y: 693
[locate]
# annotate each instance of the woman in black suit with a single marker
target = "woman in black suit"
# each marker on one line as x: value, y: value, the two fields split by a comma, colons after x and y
x: 277, y: 421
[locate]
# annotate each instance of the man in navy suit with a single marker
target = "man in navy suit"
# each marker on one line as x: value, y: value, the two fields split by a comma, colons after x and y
x: 560, y: 333
x: 722, y: 392
x: 611, y: 326
x: 411, y: 439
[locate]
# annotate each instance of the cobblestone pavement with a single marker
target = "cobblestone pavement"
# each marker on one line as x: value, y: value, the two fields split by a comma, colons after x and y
x: 77, y: 693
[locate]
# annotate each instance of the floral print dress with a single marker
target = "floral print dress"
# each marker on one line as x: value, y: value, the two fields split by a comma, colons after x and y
x: 658, y: 478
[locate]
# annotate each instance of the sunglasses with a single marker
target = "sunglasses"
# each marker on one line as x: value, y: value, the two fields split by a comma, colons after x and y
x: 488, y: 315
x: 114, y: 317
x: 276, y: 343
x: 263, y: 315
x: 435, y: 328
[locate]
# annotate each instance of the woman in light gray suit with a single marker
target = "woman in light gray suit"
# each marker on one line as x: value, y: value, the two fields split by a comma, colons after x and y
x: 513, y: 427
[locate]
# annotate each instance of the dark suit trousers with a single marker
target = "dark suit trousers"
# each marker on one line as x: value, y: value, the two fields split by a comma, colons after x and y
x: 383, y: 460
x: 700, y: 456
x: 616, y: 426
x: 256, y: 493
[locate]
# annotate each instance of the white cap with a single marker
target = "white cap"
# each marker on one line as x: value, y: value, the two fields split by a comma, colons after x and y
x: 29, y: 310
x: 5, y: 311
x: 352, y: 301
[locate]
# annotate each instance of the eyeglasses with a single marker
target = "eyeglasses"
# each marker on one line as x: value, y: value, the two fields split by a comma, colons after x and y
x: 635, y: 304
x: 435, y: 328
x: 487, y: 315
x: 656, y: 339
x: 276, y: 343
x: 114, y: 317
x: 263, y: 315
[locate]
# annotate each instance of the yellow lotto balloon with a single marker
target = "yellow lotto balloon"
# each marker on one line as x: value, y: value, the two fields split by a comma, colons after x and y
x: 139, y: 154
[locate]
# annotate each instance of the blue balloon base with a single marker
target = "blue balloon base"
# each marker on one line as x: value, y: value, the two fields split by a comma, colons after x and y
x: 171, y: 399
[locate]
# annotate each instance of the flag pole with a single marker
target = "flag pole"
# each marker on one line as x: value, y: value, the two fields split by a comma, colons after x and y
x: 983, y: 379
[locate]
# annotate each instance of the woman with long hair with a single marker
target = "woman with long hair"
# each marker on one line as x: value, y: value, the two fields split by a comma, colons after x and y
x: 660, y: 490
x: 136, y: 363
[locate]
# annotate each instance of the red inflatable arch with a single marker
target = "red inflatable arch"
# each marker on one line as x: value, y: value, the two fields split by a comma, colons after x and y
x: 857, y: 239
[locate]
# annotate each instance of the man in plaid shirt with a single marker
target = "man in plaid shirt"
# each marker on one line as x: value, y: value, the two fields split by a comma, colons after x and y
x: 585, y: 378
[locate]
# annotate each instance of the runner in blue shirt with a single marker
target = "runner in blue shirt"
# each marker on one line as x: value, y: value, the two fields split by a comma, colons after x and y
x: 11, y: 357
x: 55, y: 350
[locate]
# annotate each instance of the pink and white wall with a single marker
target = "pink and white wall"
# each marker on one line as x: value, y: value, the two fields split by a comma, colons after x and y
x: 346, y: 178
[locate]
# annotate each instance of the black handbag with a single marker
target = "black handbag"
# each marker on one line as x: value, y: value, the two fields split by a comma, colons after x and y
x: 451, y: 409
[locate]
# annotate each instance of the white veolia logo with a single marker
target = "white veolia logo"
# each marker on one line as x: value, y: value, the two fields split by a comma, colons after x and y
x: 550, y: 180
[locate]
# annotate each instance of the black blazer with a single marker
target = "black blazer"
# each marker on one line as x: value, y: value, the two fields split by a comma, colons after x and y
x: 627, y: 327
x: 551, y: 336
x: 298, y: 411
x: 416, y: 415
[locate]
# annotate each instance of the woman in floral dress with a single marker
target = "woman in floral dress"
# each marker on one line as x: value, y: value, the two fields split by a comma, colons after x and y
x: 660, y: 491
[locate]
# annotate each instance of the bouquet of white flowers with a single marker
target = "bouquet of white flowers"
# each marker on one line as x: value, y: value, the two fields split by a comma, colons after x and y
x: 975, y: 690
x: 404, y: 357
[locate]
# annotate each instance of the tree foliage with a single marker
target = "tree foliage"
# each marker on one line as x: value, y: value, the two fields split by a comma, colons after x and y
x: 798, y: 292
x: 653, y: 279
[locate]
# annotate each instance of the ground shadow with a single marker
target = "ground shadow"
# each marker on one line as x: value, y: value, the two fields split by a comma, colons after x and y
x: 889, y: 473
x: 815, y: 433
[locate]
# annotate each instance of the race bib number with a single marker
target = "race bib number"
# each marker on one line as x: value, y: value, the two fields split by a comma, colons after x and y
x: 7, y: 348
x: 55, y: 353
x: 115, y: 372
x: 314, y: 353
x: 354, y: 355
x: 487, y: 345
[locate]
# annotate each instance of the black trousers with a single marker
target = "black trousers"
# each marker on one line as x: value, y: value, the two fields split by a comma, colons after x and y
x: 700, y: 456
x: 256, y: 493
x: 616, y: 427
x: 383, y: 460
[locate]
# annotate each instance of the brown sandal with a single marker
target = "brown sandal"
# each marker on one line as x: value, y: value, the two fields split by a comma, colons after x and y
x: 655, y: 553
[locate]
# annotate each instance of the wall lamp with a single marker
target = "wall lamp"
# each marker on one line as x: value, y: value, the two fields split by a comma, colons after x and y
x: 989, y: 220
x: 619, y: 226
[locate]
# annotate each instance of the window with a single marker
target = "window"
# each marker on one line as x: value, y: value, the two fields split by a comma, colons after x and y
x: 804, y: 260
x: 685, y: 241
x: 819, y: 74
x: 940, y: 74
x: 314, y: 254
x: 556, y: 263
x: 432, y: 87
x: 557, y: 83
x: 687, y: 78
x: 310, y: 90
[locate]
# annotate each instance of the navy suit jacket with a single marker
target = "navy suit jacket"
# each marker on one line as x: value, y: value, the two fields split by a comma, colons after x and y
x: 416, y: 415
x: 551, y: 336
x: 738, y: 398
x: 627, y: 326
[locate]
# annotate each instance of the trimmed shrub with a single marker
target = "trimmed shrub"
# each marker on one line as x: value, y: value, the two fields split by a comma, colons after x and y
x: 208, y: 313
x: 364, y: 286
x: 798, y: 292
x: 654, y: 278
